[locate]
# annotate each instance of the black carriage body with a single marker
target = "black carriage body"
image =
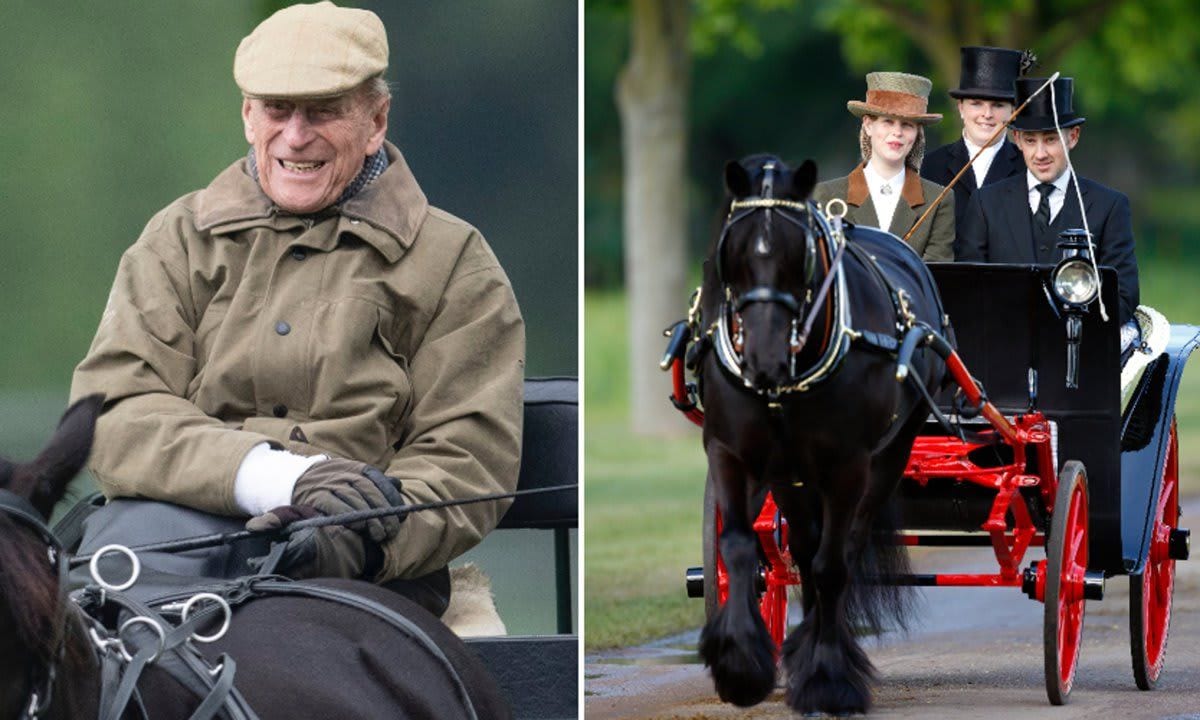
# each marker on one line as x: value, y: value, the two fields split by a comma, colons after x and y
x: 1005, y: 325
x: 1145, y: 432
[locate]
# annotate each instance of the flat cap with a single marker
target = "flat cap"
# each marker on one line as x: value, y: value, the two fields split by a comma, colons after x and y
x: 311, y: 51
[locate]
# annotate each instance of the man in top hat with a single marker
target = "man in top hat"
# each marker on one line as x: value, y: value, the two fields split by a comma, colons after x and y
x: 1018, y: 220
x: 885, y: 189
x: 308, y: 334
x: 985, y: 104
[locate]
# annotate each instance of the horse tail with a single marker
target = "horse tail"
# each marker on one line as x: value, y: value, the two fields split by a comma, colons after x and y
x: 875, y: 603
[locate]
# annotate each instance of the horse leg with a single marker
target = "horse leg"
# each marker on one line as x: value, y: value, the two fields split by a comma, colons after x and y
x: 735, y: 643
x: 802, y: 509
x: 827, y: 669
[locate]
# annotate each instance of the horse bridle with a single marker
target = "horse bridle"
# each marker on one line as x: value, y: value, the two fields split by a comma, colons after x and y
x: 24, y: 513
x: 807, y: 217
x: 789, y: 210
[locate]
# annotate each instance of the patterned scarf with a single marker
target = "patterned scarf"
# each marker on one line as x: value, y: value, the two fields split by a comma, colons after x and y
x: 372, y: 168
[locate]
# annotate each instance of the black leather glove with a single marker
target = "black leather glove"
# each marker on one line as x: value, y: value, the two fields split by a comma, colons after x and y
x: 340, y: 486
x: 331, y: 551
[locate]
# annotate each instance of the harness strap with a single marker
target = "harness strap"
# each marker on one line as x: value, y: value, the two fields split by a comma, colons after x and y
x: 175, y: 656
x: 876, y: 342
x: 220, y: 692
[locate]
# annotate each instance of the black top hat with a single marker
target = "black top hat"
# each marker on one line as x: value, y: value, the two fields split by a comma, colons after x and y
x: 1039, y: 114
x: 988, y: 73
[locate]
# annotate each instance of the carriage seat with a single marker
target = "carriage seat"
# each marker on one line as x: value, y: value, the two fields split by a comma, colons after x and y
x: 1155, y: 333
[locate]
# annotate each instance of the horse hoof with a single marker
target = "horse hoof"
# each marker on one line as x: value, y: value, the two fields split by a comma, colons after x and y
x: 742, y: 665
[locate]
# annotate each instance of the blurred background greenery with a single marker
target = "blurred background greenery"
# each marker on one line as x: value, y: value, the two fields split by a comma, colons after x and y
x: 774, y: 76
x: 113, y: 110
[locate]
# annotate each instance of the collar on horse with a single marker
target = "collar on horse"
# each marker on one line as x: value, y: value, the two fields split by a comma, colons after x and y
x: 42, y: 688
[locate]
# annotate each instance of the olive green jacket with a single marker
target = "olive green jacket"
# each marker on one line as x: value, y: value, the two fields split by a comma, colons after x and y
x: 384, y: 331
x: 933, y: 241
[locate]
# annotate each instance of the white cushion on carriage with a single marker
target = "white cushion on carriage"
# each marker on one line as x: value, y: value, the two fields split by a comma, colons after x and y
x: 1156, y: 332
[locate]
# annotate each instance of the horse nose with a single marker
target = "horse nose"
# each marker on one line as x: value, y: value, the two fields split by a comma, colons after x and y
x: 768, y: 376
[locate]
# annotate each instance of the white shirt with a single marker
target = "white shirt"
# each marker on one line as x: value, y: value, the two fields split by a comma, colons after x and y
x: 984, y: 163
x: 885, y: 202
x: 266, y: 478
x: 1057, y: 196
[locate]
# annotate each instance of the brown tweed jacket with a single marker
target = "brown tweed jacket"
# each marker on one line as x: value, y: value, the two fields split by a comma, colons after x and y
x: 933, y: 241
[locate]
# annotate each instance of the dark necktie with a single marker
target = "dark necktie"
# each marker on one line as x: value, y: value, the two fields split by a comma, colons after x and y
x: 1041, y: 218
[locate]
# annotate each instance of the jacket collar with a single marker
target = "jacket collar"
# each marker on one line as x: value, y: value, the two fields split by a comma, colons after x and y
x: 386, y: 214
x: 857, y: 192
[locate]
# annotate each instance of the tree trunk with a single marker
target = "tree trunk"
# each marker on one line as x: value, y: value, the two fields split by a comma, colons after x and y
x: 652, y: 94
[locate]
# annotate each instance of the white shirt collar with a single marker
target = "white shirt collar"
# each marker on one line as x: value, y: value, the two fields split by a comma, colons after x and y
x: 984, y: 161
x: 875, y: 181
x: 1059, y: 184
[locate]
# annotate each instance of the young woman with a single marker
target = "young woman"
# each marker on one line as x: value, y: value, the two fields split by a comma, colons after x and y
x: 985, y: 102
x: 885, y: 190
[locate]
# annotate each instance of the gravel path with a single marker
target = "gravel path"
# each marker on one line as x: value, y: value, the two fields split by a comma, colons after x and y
x: 975, y: 653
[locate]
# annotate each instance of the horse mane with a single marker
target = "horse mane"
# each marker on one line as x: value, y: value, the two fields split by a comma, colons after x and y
x: 28, y: 590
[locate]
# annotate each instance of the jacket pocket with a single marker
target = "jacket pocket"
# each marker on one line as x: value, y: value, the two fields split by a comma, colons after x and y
x: 401, y: 386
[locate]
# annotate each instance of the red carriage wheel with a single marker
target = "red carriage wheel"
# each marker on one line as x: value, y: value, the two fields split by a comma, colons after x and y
x: 1151, y: 591
x: 716, y: 582
x: 1066, y: 564
x: 773, y: 599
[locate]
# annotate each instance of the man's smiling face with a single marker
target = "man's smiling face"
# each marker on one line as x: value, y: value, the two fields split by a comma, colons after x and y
x: 308, y: 151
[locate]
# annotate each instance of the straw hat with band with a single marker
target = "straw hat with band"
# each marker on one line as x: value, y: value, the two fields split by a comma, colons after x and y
x: 311, y: 52
x: 896, y: 95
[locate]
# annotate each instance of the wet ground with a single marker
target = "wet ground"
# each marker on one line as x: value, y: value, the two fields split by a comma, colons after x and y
x: 975, y: 653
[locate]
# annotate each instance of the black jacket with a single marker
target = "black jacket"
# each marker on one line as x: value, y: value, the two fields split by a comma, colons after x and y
x: 941, y: 165
x: 998, y: 227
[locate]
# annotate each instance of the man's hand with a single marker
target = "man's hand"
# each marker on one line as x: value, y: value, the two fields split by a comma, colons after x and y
x: 340, y: 486
x: 331, y: 551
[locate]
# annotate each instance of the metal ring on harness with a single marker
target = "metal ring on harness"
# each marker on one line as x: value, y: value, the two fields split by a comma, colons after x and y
x: 183, y: 615
x: 142, y: 620
x: 94, y: 567
x: 830, y: 205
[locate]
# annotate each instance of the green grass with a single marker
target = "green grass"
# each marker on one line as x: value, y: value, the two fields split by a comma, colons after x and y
x: 643, y: 495
x: 643, y: 498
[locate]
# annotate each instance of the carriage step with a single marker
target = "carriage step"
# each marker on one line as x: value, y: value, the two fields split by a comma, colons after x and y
x: 1180, y: 544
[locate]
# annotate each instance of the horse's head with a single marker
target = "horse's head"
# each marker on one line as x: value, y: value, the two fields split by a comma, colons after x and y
x: 765, y: 260
x: 29, y: 594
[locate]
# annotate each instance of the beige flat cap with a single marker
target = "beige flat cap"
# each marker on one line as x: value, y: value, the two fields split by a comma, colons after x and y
x: 896, y: 95
x: 311, y: 51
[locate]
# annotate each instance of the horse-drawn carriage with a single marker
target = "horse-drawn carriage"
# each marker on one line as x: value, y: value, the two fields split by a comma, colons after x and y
x: 171, y: 641
x: 1036, y: 437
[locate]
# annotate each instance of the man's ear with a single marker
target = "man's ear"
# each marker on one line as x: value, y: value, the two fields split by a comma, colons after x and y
x: 378, y: 126
x: 1073, y: 136
x: 246, y: 126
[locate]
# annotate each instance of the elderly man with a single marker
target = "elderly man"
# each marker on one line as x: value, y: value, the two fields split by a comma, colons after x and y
x: 308, y: 331
x: 985, y: 102
x: 1018, y: 220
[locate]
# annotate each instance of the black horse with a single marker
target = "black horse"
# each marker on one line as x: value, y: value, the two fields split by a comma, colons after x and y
x: 802, y: 397
x: 296, y: 657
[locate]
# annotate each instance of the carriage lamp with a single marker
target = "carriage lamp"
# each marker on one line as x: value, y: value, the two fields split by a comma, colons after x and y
x: 1074, y: 280
x: 1076, y: 285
